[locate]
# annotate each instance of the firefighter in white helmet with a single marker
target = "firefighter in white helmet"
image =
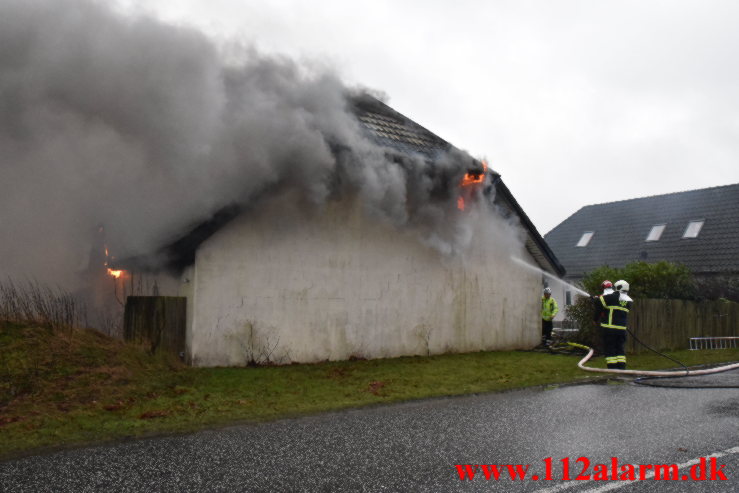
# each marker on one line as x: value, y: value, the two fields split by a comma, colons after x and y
x: 549, y: 309
x: 613, y: 313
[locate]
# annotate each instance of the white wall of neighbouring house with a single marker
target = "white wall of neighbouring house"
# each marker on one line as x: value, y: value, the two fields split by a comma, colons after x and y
x: 565, y: 293
x: 560, y: 293
x: 283, y: 285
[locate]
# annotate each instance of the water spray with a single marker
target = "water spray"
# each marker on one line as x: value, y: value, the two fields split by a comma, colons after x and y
x: 686, y: 372
x: 547, y: 274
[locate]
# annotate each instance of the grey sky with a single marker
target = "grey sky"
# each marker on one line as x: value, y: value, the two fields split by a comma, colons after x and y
x: 573, y: 102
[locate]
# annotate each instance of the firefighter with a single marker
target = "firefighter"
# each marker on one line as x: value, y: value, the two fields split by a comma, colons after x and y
x: 549, y: 309
x: 613, y: 313
x: 607, y: 287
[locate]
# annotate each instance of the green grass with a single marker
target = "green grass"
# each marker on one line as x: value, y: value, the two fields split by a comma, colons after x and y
x: 59, y: 389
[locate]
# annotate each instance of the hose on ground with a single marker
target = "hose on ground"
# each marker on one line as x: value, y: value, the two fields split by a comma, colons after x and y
x: 653, y: 373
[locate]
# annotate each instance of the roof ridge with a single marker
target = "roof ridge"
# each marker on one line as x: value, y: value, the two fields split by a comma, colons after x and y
x: 661, y: 195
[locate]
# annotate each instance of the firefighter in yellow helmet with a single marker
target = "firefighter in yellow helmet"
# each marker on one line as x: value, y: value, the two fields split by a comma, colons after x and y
x: 549, y: 309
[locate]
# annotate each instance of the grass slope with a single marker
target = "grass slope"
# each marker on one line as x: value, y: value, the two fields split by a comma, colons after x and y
x: 62, y: 388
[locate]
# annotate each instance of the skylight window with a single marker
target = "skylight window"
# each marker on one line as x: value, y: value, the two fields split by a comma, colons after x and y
x: 694, y: 227
x: 656, y: 232
x: 585, y: 239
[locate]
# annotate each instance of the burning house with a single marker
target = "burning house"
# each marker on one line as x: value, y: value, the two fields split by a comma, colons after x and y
x: 283, y: 281
x: 300, y: 220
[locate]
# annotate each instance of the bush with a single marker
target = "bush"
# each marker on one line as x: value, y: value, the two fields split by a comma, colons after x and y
x: 580, y: 315
x: 720, y: 286
x: 659, y: 280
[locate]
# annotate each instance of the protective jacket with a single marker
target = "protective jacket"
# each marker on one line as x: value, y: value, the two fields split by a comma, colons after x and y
x: 614, y: 310
x: 549, y: 308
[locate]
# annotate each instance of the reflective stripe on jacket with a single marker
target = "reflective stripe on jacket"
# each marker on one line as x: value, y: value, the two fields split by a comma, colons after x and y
x: 549, y: 308
x: 616, y: 311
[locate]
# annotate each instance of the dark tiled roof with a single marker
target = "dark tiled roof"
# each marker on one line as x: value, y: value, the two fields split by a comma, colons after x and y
x: 621, y: 228
x: 402, y: 136
x: 398, y: 132
x: 391, y: 129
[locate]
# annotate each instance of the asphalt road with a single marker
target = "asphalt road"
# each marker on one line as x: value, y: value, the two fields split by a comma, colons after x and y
x: 416, y: 446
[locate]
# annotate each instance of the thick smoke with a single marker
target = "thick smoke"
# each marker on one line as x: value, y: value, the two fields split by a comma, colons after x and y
x: 121, y: 120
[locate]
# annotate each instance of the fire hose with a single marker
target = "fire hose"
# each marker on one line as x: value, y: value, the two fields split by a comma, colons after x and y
x: 667, y: 373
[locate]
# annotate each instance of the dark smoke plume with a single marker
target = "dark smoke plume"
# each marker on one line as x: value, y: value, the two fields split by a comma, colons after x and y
x: 122, y: 120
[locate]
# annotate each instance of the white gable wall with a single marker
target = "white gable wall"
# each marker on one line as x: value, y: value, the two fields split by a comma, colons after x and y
x: 283, y: 286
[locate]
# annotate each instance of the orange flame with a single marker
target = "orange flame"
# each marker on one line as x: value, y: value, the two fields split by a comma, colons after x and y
x: 116, y: 273
x: 474, y: 177
x: 471, y: 178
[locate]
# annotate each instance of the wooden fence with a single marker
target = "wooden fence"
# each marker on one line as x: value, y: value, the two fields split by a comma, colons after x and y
x: 158, y: 321
x: 669, y: 324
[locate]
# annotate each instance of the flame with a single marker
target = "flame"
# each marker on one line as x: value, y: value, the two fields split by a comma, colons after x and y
x: 116, y: 273
x: 475, y: 176
x: 471, y: 178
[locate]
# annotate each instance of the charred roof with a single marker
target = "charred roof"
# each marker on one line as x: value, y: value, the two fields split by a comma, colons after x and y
x: 402, y: 137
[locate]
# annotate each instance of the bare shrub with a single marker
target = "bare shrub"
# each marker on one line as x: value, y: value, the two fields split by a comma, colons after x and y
x: 36, y: 304
x: 259, y: 349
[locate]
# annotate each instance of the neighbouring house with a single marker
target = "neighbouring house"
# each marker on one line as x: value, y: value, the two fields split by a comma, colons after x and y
x: 697, y: 228
x: 277, y: 283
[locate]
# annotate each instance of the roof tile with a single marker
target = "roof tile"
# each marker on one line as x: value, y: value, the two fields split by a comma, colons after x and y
x: 621, y: 230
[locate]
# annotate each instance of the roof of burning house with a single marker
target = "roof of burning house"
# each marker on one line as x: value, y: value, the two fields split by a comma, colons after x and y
x: 393, y: 130
x: 403, y: 136
x: 698, y: 228
x: 399, y: 132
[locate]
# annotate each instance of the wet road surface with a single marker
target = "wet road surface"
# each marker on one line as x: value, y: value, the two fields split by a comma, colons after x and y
x: 416, y: 446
